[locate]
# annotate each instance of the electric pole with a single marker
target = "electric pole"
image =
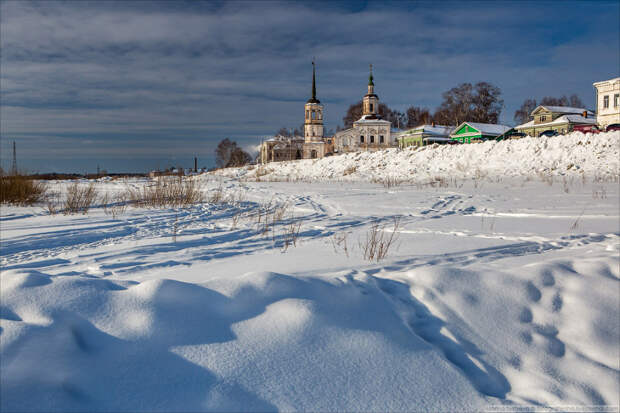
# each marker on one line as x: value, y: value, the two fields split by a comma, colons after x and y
x: 14, y: 166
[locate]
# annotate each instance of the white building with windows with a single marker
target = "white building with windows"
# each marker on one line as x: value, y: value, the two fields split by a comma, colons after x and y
x: 607, y: 102
x: 370, y: 132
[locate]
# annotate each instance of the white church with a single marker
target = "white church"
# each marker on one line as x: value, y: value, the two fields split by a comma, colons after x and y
x: 369, y: 133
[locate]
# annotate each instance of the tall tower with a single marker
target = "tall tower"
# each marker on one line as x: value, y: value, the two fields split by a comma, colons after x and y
x: 370, y: 100
x: 14, y: 166
x: 313, y: 123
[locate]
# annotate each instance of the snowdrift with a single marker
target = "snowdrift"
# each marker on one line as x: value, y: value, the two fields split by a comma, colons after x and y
x: 573, y: 154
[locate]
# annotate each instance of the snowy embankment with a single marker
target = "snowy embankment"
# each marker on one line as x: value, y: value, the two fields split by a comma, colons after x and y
x: 572, y: 154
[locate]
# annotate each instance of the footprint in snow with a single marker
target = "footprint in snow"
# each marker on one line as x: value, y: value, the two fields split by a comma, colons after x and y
x: 533, y: 293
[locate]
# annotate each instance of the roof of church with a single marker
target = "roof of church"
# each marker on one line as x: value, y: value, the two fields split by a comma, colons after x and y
x: 371, y: 119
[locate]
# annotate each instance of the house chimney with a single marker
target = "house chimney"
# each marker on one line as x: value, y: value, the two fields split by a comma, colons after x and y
x: 585, y: 114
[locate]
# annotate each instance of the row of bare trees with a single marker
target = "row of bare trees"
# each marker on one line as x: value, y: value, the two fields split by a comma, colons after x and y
x: 522, y: 114
x: 481, y: 102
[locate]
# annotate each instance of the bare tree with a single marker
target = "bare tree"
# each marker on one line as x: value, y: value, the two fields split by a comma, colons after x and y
x: 355, y: 113
x: 572, y: 101
x: 228, y: 154
x: 223, y: 151
x: 522, y: 115
x: 479, y: 103
x: 283, y: 132
x: 487, y: 103
x: 418, y: 116
x: 239, y: 157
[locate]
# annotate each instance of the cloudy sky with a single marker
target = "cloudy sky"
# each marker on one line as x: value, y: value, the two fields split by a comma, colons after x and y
x: 137, y: 85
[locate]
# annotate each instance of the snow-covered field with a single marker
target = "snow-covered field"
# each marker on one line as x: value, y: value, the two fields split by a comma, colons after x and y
x: 501, y: 290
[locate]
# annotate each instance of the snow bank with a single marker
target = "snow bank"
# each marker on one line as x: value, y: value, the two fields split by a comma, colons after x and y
x: 572, y: 154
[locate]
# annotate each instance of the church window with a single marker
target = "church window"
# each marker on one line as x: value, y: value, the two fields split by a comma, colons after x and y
x: 362, y: 139
x: 606, y: 101
x: 372, y: 139
x: 371, y: 107
x: 313, y: 114
x: 307, y: 114
x: 381, y: 139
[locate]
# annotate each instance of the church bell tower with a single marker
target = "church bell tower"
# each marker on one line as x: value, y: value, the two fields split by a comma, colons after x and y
x: 313, y: 123
x: 370, y: 101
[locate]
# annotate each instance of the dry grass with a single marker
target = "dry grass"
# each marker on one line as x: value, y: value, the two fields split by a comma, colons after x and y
x: 20, y: 190
x: 339, y: 242
x: 79, y: 198
x: 291, y: 233
x: 116, y: 205
x: 378, y: 243
x: 349, y: 170
x: 216, y: 196
x: 167, y: 191
x: 600, y: 193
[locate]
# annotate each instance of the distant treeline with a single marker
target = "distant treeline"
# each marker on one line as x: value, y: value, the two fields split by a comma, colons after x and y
x: 62, y: 176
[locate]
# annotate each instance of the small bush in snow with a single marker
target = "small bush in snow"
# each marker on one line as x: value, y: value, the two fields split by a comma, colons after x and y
x: 20, y: 190
x: 79, y: 198
x: 114, y: 206
x: 377, y: 243
x: 167, y: 191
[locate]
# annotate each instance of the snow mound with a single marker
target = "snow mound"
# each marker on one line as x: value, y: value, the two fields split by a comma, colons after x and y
x: 573, y: 154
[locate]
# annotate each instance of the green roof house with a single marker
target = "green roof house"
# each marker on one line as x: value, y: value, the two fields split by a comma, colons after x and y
x: 422, y: 134
x: 468, y: 132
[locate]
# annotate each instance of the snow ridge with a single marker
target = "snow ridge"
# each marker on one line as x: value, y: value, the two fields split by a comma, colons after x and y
x: 572, y: 154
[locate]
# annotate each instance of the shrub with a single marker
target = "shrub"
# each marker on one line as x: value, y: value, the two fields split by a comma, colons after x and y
x: 79, y: 198
x: 20, y: 190
x: 377, y: 243
x: 116, y: 205
x: 167, y: 191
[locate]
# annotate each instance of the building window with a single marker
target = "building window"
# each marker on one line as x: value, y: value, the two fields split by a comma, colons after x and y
x: 380, y: 138
x: 371, y: 107
x: 362, y: 139
x: 372, y: 139
x: 313, y: 154
x: 543, y: 118
x: 616, y: 100
x: 307, y: 114
x: 606, y: 101
x: 313, y: 115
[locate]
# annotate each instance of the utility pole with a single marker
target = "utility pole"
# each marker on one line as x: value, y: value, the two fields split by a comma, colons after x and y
x: 14, y: 166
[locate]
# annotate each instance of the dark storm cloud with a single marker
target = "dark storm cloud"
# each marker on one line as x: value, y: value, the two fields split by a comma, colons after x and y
x: 141, y: 79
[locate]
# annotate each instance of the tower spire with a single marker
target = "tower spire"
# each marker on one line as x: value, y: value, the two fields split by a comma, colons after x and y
x: 313, y: 81
x: 370, y: 82
x: 313, y: 99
